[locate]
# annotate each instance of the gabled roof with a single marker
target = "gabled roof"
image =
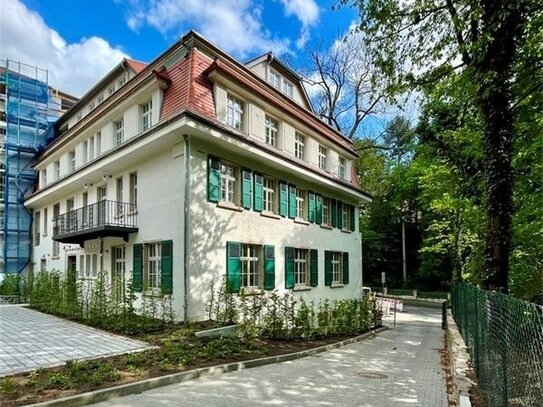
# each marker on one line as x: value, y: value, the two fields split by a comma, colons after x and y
x: 271, y: 59
x: 137, y: 66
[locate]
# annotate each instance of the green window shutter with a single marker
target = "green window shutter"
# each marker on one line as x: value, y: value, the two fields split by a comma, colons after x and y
x: 137, y: 267
x: 213, y: 179
x: 327, y: 268
x: 314, y: 267
x: 283, y: 199
x: 258, y: 193
x: 311, y: 207
x: 269, y: 267
x: 247, y: 189
x: 233, y: 267
x: 333, y: 212
x: 345, y: 268
x: 166, y: 263
x: 352, y: 210
x: 318, y: 209
x: 289, y: 267
x: 339, y: 215
x: 292, y: 201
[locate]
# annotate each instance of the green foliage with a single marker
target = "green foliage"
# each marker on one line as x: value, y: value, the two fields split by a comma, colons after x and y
x: 7, y: 388
x: 10, y: 284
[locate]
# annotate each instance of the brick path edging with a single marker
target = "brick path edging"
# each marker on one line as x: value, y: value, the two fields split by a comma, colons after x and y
x: 122, y: 390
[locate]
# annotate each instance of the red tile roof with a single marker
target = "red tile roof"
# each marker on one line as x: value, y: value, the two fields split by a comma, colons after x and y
x: 137, y: 66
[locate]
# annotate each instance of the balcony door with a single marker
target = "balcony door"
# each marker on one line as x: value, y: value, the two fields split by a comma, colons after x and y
x: 101, y: 198
x: 119, y: 268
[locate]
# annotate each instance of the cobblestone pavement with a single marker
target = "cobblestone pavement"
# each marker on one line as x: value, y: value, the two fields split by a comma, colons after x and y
x: 398, y: 368
x: 30, y: 339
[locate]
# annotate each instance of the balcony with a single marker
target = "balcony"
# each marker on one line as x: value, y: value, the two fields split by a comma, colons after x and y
x: 101, y: 219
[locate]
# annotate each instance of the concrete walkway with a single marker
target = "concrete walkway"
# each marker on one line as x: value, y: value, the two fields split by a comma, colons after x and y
x: 30, y: 339
x: 400, y: 367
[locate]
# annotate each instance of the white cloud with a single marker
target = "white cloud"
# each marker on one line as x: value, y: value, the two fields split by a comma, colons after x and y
x: 72, y: 67
x: 234, y: 25
x: 307, y: 12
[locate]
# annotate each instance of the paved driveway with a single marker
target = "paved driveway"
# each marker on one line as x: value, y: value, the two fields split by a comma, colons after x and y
x: 400, y: 367
x: 30, y: 340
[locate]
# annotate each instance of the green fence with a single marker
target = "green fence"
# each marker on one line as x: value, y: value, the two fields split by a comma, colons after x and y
x: 504, y: 337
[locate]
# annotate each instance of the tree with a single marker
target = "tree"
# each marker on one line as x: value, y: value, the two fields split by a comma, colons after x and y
x: 344, y: 84
x: 420, y: 42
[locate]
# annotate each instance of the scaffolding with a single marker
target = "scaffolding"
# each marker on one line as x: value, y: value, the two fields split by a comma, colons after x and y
x: 26, y: 114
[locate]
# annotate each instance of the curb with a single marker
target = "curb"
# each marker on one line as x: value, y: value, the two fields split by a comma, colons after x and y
x: 122, y: 390
x: 459, y: 358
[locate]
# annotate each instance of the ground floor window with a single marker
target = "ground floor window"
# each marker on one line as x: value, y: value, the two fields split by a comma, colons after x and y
x: 337, y: 268
x: 88, y: 265
x: 251, y: 266
x: 119, y: 268
x: 152, y: 265
x: 301, y: 272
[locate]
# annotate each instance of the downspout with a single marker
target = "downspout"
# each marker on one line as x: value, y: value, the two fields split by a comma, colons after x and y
x: 186, y: 154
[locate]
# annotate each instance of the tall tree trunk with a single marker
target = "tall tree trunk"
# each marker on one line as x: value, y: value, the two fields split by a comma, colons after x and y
x: 502, y: 23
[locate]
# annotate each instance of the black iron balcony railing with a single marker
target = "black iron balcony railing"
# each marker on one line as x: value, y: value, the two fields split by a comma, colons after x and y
x: 101, y: 219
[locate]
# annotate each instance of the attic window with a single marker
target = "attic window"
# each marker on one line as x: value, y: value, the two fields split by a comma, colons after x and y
x: 288, y: 89
x: 275, y: 79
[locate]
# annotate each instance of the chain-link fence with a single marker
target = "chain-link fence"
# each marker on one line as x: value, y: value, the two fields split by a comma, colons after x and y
x: 504, y: 337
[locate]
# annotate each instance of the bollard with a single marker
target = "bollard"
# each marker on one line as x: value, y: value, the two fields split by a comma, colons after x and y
x: 444, y: 315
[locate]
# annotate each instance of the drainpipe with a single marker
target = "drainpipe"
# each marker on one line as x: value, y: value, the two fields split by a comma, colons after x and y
x: 186, y: 154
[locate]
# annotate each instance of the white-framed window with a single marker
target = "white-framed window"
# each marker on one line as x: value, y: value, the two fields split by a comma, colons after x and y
x: 36, y: 228
x: 88, y: 265
x: 92, y: 106
x: 269, y: 194
x: 43, y: 174
x: 119, y: 131
x: 146, y: 112
x: 91, y: 149
x: 337, y: 268
x: 325, y: 211
x: 299, y: 145
x: 288, y: 89
x: 345, y: 217
x: 323, y: 152
x: 119, y: 269
x: 100, y: 99
x: 341, y: 169
x: 111, y: 90
x: 153, y: 265
x: 272, y: 126
x: 98, y: 138
x: 235, y: 112
x: 228, y: 183
x: 251, y: 266
x: 133, y: 190
x: 300, y: 203
x: 121, y: 81
x: 275, y: 79
x: 45, y: 215
x: 85, y: 153
x: 71, y: 160
x: 56, y: 245
x: 301, y: 270
x: 119, y: 183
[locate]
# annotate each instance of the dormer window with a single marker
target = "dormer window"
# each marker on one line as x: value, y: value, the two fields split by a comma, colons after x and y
x: 322, y: 158
x: 341, y: 170
x: 92, y: 106
x: 235, y: 112
x: 111, y: 90
x: 99, y: 99
x: 275, y: 79
x: 121, y: 81
x: 288, y: 89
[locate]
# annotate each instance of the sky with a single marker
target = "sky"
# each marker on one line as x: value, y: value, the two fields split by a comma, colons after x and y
x: 80, y: 41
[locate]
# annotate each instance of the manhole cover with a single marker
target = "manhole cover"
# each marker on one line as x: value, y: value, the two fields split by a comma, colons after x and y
x: 370, y: 374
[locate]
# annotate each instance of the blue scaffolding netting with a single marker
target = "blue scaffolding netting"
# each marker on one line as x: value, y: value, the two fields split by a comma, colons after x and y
x: 27, y: 116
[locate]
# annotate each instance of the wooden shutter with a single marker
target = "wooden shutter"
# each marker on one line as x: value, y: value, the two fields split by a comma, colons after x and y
x: 352, y: 211
x: 327, y: 268
x: 283, y: 199
x: 289, y: 267
x: 233, y: 267
x: 318, y: 209
x: 247, y: 188
x: 258, y: 193
x: 213, y: 179
x: 137, y: 267
x: 332, y: 211
x: 345, y: 268
x: 292, y: 201
x: 314, y: 267
x: 339, y: 215
x: 269, y: 267
x: 166, y: 263
x: 311, y: 207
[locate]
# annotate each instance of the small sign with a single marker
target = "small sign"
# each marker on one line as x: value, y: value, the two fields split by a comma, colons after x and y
x: 383, y: 277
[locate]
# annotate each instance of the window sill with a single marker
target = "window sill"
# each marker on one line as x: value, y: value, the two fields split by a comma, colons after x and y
x: 346, y: 231
x: 55, y: 257
x: 269, y: 214
x: 301, y: 221
x: 249, y: 291
x: 230, y: 206
x: 301, y: 288
x: 155, y: 294
x: 326, y: 226
x: 337, y: 285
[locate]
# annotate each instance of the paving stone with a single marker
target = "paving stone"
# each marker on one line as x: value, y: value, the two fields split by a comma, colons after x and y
x: 31, y: 339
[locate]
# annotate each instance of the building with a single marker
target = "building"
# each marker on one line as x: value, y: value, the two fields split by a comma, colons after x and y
x: 28, y: 106
x: 195, y: 167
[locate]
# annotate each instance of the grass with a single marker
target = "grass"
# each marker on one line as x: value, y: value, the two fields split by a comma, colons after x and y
x: 178, y: 349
